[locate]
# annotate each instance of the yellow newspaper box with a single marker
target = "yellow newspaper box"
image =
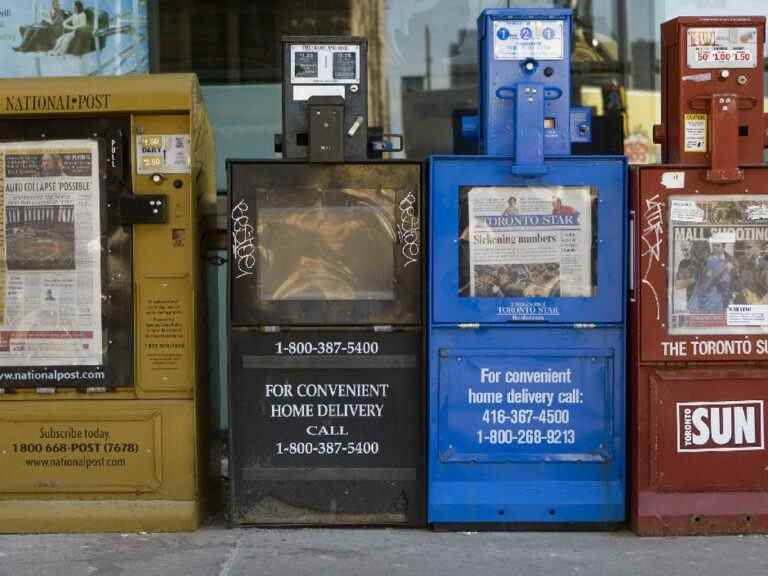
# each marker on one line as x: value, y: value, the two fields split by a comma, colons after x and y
x: 102, y: 377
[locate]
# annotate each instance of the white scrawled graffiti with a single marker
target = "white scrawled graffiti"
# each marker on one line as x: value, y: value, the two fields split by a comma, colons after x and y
x: 408, y: 229
x: 243, y: 248
x: 653, y: 239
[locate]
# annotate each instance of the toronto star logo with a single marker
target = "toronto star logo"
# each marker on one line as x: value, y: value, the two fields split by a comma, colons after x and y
x: 720, y: 426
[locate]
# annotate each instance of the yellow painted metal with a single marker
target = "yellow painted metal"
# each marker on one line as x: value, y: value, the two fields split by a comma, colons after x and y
x: 135, y: 458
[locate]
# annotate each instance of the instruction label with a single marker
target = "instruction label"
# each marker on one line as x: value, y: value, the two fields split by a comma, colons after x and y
x: 722, y: 47
x: 521, y: 39
x: 695, y: 133
x: 325, y: 64
x: 164, y: 153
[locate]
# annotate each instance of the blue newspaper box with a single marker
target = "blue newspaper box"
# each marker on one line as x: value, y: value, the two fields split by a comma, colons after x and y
x: 527, y: 291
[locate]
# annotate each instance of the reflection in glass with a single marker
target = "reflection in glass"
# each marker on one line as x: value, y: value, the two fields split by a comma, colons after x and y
x: 318, y: 244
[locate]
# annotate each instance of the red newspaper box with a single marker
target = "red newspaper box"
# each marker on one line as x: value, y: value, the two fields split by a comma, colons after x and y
x: 699, y: 301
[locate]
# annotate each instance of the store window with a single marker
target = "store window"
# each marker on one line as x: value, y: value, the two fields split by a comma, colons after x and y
x: 422, y: 64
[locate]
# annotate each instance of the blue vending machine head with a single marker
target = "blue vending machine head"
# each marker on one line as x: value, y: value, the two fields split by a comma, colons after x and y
x: 525, y: 104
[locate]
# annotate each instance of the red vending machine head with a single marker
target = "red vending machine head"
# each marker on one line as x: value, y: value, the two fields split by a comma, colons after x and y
x: 712, y: 72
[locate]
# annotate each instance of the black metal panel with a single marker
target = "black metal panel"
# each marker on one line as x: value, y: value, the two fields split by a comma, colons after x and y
x: 326, y: 427
x: 296, y: 123
x: 298, y: 228
x: 113, y: 134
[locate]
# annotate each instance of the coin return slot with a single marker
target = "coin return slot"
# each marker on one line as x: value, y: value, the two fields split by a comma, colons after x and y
x: 549, y: 123
x: 743, y: 130
x: 302, y: 139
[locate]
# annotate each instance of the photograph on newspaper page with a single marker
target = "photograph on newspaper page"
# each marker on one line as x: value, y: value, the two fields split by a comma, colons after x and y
x: 718, y: 264
x: 52, y: 240
x: 527, y: 242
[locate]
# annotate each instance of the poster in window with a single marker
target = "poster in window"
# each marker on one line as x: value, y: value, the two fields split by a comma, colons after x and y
x: 718, y: 277
x: 527, y: 242
x: 73, y: 38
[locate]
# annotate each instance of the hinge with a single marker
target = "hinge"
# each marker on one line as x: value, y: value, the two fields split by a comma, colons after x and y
x: 469, y: 325
x: 270, y: 329
x: 384, y: 328
x: 144, y: 209
x: 95, y: 390
x: 584, y: 325
x: 48, y: 391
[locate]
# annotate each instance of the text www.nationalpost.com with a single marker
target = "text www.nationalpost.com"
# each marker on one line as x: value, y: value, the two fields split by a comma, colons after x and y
x: 51, y: 375
x: 86, y: 463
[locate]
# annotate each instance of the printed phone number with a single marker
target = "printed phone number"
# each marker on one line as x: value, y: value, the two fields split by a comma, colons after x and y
x: 530, y: 436
x: 336, y: 347
x: 81, y: 447
x: 326, y: 448
x: 546, y: 416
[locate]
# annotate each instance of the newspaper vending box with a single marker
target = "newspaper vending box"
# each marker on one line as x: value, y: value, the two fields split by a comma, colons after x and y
x: 101, y: 373
x: 526, y: 299
x: 700, y: 289
x: 326, y: 296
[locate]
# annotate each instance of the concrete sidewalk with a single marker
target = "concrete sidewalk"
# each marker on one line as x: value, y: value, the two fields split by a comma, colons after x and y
x: 216, y: 551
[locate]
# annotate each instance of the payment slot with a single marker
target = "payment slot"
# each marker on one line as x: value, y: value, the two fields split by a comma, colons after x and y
x: 525, y: 88
x: 699, y: 303
x: 326, y: 408
x: 102, y: 371
x: 526, y: 315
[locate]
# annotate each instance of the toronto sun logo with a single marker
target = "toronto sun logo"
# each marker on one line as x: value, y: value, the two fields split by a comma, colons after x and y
x: 720, y: 426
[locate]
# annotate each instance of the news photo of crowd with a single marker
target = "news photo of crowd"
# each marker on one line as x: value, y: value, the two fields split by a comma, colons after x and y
x: 40, y: 237
x: 715, y: 275
x: 509, y: 280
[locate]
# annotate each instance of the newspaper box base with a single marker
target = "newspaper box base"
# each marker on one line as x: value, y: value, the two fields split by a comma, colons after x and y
x: 36, y: 516
x: 700, y: 514
x: 682, y: 485
x: 98, y: 466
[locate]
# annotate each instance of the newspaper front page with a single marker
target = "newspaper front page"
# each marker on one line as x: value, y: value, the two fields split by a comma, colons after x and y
x: 52, y: 272
x: 718, y: 272
x: 530, y: 242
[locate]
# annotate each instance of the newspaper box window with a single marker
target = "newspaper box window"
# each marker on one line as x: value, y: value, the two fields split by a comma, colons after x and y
x: 527, y: 242
x: 51, y: 195
x: 67, y: 257
x: 718, y: 280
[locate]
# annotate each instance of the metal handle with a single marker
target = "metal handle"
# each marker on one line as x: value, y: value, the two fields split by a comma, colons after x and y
x: 631, y: 256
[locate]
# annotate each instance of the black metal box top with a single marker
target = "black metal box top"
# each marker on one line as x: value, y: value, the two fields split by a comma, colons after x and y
x: 325, y: 66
